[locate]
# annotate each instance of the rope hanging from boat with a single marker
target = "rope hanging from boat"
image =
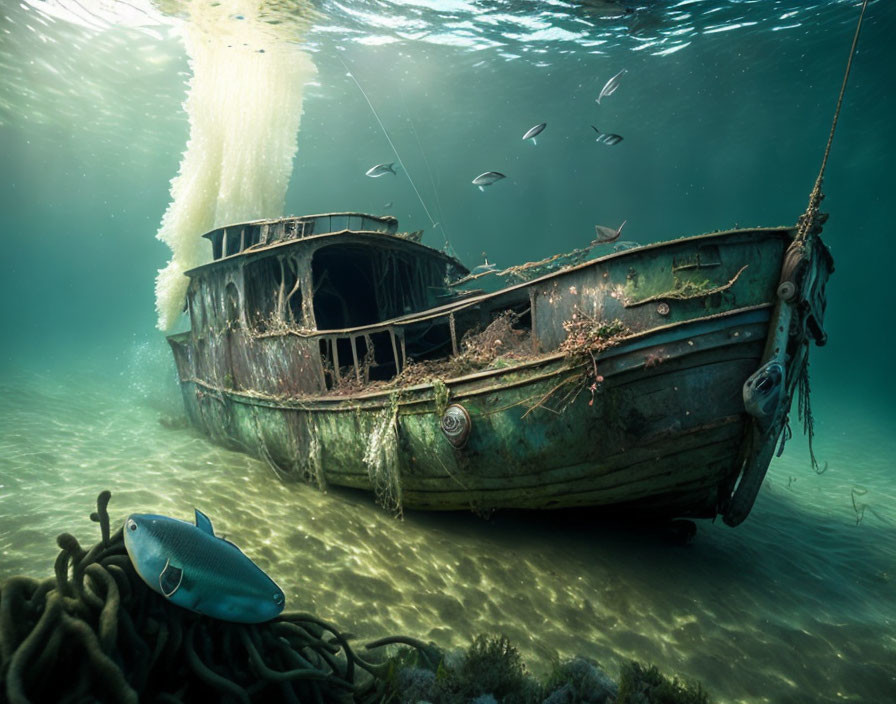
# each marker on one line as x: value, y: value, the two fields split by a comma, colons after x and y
x: 807, y: 223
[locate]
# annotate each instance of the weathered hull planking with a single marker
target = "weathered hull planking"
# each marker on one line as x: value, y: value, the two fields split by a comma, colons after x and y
x: 656, y: 421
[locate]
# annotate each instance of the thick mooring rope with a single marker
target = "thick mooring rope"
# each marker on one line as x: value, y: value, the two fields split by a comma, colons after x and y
x: 810, y: 223
x: 807, y: 223
x: 96, y: 632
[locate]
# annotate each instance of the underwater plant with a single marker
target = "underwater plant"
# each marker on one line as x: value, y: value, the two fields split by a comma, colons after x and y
x: 491, y: 671
x: 579, y: 681
x: 642, y: 685
x: 492, y: 666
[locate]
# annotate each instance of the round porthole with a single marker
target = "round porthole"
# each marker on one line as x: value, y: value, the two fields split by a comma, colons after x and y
x: 456, y: 425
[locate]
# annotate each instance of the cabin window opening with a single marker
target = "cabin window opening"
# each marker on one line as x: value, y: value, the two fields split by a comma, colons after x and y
x: 326, y: 363
x: 337, y: 360
x: 263, y: 282
x: 342, y: 362
x: 252, y: 236
x: 217, y: 239
x: 274, y: 294
x: 232, y: 242
x: 381, y: 357
x: 290, y: 294
x: 231, y: 306
x: 294, y: 305
x: 428, y: 341
x: 408, y: 283
x: 377, y: 359
x: 197, y: 310
x: 403, y: 286
x: 344, y: 290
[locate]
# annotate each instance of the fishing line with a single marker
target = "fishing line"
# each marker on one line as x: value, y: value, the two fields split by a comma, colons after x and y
x: 433, y: 223
x: 432, y: 181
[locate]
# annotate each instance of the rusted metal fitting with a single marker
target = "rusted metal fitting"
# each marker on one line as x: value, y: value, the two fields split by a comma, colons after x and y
x: 456, y: 425
x: 764, y: 391
x: 786, y: 291
x: 792, y: 270
x: 663, y: 308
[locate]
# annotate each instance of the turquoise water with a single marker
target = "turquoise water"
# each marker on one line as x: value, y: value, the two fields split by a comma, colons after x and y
x: 724, y: 110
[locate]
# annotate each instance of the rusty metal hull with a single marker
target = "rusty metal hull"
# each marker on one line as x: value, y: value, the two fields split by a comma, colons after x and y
x: 665, y: 432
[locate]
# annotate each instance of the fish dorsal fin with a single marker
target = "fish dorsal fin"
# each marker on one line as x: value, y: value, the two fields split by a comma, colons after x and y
x: 170, y: 579
x: 203, y: 522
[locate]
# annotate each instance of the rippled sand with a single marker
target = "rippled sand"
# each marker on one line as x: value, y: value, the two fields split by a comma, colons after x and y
x: 797, y: 604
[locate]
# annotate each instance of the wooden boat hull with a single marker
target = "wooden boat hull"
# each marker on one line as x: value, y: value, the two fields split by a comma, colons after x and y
x: 655, y: 424
x: 665, y: 428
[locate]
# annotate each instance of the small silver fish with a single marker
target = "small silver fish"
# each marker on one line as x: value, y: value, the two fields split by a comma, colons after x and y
x: 487, y: 179
x: 192, y: 567
x: 381, y: 170
x: 605, y: 234
x: 535, y: 131
x: 610, y: 86
x: 388, y: 205
x: 606, y: 137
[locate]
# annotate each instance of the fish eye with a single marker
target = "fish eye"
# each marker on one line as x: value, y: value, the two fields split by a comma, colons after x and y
x: 278, y: 599
x: 132, y: 524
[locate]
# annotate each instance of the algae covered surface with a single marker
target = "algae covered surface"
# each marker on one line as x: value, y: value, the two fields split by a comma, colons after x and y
x: 724, y: 108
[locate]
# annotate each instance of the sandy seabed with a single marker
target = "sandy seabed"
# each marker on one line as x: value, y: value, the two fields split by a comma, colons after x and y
x: 797, y: 604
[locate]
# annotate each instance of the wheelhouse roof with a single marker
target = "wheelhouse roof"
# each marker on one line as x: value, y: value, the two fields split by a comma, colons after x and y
x: 364, y: 238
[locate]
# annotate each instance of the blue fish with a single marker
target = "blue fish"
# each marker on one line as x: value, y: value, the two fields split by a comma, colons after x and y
x: 192, y: 567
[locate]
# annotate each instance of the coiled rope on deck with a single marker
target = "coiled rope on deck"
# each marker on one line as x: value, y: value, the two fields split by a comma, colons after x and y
x: 94, y: 631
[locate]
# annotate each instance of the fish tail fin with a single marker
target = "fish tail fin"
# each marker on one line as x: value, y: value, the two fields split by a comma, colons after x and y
x: 391, y: 166
x: 596, y: 130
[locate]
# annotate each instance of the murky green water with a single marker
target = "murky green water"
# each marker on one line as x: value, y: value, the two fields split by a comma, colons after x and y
x: 725, y: 109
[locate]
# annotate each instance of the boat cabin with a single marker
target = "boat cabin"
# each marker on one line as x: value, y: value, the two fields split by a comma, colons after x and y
x: 339, y: 291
